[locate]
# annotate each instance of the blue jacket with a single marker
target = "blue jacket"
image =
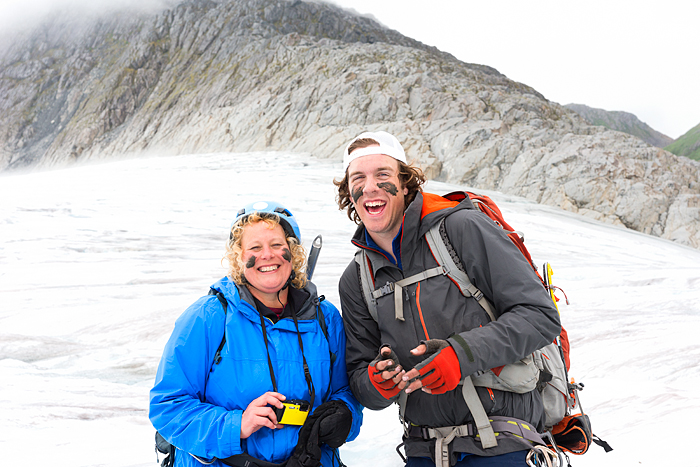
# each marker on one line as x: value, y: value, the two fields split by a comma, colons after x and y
x: 197, y: 406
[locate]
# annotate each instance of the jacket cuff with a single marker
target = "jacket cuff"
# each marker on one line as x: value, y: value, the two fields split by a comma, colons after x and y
x: 235, y: 417
x: 467, y: 362
x: 366, y: 393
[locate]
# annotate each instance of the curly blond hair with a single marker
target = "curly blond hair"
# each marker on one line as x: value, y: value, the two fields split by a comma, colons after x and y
x: 234, y: 250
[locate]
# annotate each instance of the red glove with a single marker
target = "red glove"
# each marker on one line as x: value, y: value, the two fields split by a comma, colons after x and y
x: 440, y: 372
x: 386, y: 387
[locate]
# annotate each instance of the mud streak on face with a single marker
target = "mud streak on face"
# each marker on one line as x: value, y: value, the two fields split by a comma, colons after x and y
x: 251, y: 262
x: 287, y: 255
x: 357, y: 193
x: 389, y: 188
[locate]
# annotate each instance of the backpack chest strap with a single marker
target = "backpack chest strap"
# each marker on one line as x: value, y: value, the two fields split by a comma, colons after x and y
x: 438, y: 243
x: 397, y: 288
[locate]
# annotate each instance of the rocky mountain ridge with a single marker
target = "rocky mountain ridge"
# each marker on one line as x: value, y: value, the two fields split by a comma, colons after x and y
x: 248, y: 75
x: 622, y: 121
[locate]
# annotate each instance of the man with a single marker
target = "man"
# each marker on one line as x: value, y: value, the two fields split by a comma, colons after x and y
x: 422, y: 344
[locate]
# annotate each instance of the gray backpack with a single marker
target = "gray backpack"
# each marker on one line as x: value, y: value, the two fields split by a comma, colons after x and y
x: 544, y: 367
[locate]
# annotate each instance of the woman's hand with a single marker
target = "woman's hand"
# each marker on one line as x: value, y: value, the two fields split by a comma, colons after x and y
x: 260, y: 413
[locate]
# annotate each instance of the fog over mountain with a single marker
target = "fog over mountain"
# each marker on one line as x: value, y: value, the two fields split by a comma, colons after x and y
x: 305, y: 77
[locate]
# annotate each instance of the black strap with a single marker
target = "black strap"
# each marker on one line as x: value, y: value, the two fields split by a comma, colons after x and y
x: 246, y: 460
x: 320, y: 317
x: 267, y: 349
x: 603, y: 444
x: 224, y: 304
x: 322, y: 322
x: 307, y: 373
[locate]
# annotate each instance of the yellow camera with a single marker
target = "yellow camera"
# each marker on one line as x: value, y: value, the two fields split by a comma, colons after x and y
x: 294, y: 412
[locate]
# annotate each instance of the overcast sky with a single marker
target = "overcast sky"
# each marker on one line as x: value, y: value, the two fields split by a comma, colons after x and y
x: 637, y: 56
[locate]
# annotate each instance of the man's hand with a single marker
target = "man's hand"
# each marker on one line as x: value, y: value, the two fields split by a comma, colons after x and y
x: 438, y: 373
x: 259, y: 413
x: 385, y: 373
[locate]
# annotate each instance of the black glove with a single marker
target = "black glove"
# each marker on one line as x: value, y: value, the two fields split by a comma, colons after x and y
x: 330, y: 423
x: 307, y: 453
x: 336, y: 421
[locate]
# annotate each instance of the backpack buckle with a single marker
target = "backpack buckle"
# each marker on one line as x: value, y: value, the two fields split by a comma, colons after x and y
x: 383, y: 290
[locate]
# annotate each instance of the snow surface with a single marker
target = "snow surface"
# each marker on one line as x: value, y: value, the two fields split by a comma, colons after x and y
x: 97, y: 262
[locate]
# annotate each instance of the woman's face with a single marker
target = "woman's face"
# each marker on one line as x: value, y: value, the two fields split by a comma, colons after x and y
x: 266, y: 257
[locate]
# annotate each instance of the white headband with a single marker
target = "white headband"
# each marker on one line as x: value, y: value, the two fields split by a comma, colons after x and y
x: 388, y: 145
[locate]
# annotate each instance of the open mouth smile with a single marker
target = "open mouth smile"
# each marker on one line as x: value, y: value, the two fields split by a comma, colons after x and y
x: 268, y: 268
x: 374, y: 207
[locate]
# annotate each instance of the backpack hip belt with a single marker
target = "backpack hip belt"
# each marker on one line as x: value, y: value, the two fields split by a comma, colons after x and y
x: 484, y: 427
x: 443, y: 436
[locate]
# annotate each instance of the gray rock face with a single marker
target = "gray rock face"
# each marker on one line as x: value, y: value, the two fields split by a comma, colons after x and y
x: 249, y: 75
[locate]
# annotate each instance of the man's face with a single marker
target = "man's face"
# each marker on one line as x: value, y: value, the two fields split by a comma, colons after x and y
x: 377, y: 194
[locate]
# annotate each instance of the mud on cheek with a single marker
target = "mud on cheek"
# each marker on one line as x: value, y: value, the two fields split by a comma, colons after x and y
x: 251, y: 262
x: 287, y: 255
x: 389, y: 188
x: 357, y: 193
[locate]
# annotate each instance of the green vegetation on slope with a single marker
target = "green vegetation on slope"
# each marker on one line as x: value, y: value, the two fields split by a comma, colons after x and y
x: 687, y: 145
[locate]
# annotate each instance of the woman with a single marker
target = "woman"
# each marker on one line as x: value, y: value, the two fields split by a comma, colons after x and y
x: 282, y: 343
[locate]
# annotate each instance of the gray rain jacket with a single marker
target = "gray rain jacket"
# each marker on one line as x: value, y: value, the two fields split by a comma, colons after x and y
x: 435, y: 309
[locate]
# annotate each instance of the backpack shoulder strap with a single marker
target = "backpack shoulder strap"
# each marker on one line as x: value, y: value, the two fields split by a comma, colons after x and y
x: 447, y: 257
x: 224, y: 304
x: 322, y: 323
x: 366, y: 281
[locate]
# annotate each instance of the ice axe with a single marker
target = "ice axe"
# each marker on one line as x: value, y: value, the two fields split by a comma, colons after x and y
x: 313, y: 256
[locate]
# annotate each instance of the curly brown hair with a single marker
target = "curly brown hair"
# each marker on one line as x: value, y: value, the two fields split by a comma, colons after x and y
x: 411, y: 177
x: 234, y: 250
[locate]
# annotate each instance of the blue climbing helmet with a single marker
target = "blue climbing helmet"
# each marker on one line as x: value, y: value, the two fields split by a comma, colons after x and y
x: 286, y: 218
